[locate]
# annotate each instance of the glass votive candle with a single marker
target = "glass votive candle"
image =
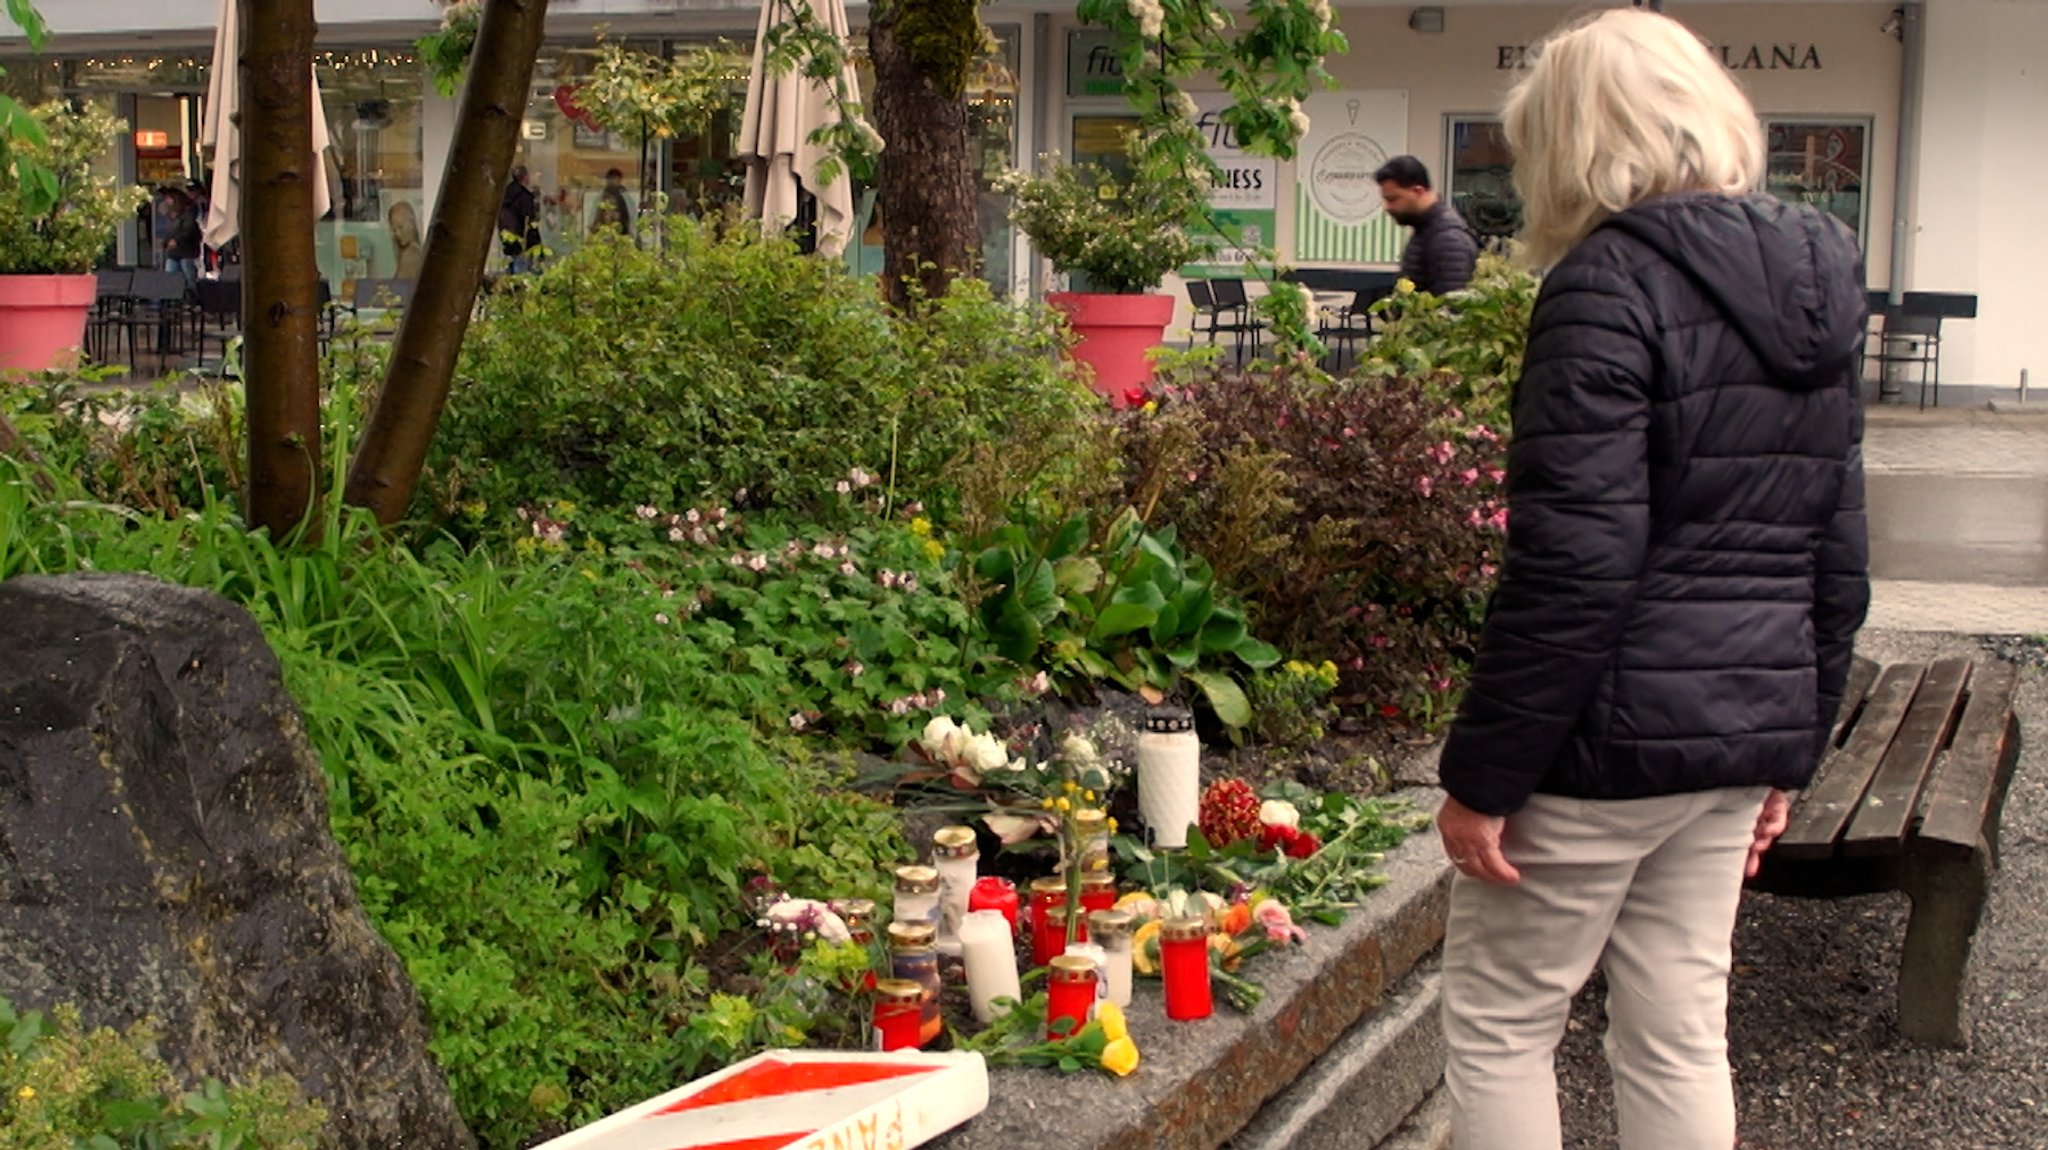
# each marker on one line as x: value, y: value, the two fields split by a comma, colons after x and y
x: 1070, y: 994
x: 1111, y: 930
x: 1184, y: 964
x: 914, y: 957
x: 1098, y: 891
x: 1057, y: 939
x: 1046, y: 893
x: 899, y: 1010
x: 1091, y: 828
x: 917, y: 896
x: 859, y: 916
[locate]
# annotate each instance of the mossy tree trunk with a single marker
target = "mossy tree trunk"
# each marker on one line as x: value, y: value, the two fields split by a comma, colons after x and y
x: 386, y: 469
x: 281, y: 301
x: 931, y: 232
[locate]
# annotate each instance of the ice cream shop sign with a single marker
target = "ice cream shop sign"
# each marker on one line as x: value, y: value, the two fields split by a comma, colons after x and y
x: 1788, y: 57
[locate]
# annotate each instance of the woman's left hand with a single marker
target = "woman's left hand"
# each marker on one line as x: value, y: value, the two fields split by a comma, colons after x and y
x: 1472, y: 841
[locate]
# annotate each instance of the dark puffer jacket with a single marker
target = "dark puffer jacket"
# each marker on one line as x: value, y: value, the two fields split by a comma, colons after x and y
x: 1686, y: 559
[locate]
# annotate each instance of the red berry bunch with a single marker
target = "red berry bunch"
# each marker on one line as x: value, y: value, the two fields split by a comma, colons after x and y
x: 1229, y: 811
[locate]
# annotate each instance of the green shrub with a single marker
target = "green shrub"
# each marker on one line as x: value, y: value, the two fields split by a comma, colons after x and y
x: 64, y: 1086
x: 731, y: 364
x: 1465, y: 350
x: 1361, y: 521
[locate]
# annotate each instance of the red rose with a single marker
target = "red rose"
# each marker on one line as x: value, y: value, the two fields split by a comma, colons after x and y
x: 1273, y: 836
x: 1304, y: 845
x: 1137, y: 396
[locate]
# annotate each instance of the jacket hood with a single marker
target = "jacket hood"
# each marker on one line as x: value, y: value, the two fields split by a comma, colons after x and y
x: 1787, y: 278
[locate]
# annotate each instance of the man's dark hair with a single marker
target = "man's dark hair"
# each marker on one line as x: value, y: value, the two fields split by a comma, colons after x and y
x: 614, y: 174
x: 1407, y: 171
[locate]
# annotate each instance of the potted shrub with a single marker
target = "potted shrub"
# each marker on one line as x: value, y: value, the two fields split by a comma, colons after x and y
x: 50, y: 242
x: 1115, y: 234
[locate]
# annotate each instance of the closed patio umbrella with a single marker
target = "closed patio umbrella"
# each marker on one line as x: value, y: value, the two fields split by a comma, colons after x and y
x: 218, y: 134
x: 783, y: 109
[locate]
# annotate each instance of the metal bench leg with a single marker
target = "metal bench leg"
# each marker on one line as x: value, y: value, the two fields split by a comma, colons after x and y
x: 1948, y: 901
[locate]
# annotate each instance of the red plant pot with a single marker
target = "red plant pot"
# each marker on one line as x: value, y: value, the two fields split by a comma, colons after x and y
x: 1115, y: 333
x: 42, y: 319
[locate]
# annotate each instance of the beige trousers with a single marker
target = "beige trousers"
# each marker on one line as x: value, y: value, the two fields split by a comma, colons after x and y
x: 1648, y: 889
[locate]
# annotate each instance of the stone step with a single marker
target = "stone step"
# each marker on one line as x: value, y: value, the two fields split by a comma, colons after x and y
x: 1367, y: 1084
x: 1202, y: 1082
x: 1429, y: 1128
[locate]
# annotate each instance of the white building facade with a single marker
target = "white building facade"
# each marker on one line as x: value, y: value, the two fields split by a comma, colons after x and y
x: 1920, y: 125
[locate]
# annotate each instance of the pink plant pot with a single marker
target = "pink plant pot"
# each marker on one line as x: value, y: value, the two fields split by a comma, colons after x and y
x: 42, y: 320
x: 1115, y: 333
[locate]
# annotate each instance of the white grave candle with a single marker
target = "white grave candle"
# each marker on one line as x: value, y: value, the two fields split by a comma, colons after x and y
x: 957, y: 860
x: 991, y: 958
x: 1169, y: 777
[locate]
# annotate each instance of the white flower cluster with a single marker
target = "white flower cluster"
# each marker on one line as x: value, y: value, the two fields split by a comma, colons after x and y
x: 1297, y: 118
x: 954, y: 745
x: 1150, y: 15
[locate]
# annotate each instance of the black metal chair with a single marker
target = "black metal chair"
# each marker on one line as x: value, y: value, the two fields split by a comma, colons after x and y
x: 109, y: 302
x: 1911, y: 336
x: 157, y: 307
x: 1228, y: 312
x: 217, y: 318
x: 1343, y: 330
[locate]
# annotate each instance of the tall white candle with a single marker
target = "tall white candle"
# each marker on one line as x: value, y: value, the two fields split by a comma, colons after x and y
x: 958, y: 861
x: 991, y: 958
x: 1169, y: 777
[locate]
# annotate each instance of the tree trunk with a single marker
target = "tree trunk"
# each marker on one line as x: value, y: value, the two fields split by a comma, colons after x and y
x: 280, y: 288
x: 931, y: 231
x: 386, y: 470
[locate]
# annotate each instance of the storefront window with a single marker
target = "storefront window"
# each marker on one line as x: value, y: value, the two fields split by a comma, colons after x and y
x: 376, y: 167
x: 1823, y: 163
x: 1480, y: 182
x: 586, y: 174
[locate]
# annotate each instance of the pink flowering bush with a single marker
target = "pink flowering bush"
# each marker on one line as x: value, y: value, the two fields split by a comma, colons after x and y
x: 1361, y: 521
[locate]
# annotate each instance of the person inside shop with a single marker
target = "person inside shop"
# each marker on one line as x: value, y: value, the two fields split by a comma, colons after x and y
x: 1686, y: 569
x: 519, y: 221
x: 181, y: 241
x: 613, y: 210
x: 1441, y: 253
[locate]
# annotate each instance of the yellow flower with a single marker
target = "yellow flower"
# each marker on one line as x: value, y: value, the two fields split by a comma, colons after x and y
x: 1151, y: 405
x: 1046, y: 803
x: 1111, y: 824
x: 1063, y: 804
x: 1404, y: 286
x: 1120, y: 1057
x: 26, y: 1093
x: 933, y: 549
x: 1070, y: 786
x: 1088, y: 796
x: 1145, y: 948
x: 920, y: 526
x: 1111, y: 1016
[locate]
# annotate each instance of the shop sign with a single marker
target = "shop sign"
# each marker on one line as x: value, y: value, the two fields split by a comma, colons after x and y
x: 1337, y: 211
x: 1788, y: 57
x: 1094, y: 65
x: 1244, y: 202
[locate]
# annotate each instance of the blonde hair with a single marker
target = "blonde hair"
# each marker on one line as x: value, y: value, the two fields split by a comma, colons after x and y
x: 1617, y: 109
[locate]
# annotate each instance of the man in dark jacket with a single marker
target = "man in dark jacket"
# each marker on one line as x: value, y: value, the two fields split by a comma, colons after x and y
x: 519, y: 221
x: 1441, y: 253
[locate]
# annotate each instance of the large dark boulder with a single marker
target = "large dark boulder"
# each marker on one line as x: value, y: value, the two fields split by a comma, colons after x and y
x: 164, y: 852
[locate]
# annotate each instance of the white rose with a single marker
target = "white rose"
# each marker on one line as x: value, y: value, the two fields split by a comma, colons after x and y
x: 986, y: 753
x: 1279, y: 813
x: 938, y: 734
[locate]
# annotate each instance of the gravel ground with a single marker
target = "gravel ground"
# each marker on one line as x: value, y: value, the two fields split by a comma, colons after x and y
x: 1819, y: 1064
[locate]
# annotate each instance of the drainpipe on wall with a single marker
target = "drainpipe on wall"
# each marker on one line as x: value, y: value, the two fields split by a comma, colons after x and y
x: 1042, y: 127
x: 1912, y: 77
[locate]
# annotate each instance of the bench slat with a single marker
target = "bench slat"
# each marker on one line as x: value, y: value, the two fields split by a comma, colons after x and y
x: 1970, y: 780
x: 1825, y: 809
x: 1886, y: 813
x: 1862, y: 673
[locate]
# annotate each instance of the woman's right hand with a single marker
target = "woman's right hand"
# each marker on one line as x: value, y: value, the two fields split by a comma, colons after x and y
x: 1770, y: 823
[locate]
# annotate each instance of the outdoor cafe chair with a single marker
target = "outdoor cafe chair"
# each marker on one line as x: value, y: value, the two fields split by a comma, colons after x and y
x: 109, y: 301
x: 1221, y: 308
x: 155, y: 308
x: 218, y: 316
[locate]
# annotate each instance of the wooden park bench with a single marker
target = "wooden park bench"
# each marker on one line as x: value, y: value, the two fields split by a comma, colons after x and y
x: 1907, y: 799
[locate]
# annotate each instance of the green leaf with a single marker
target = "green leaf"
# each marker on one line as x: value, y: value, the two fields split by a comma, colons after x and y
x: 1225, y: 697
x: 1222, y: 633
x: 1122, y: 619
x: 1076, y: 575
x: 1257, y: 654
x: 1073, y: 535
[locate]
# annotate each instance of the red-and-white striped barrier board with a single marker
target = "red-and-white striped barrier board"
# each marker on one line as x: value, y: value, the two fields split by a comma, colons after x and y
x: 802, y: 1100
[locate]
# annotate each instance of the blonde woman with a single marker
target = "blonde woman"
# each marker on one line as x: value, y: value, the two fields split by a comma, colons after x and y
x: 1685, y: 572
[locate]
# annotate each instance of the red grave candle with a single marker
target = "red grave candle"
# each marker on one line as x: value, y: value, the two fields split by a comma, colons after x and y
x: 1070, y: 995
x: 1098, y: 892
x: 1184, y: 962
x: 1046, y: 893
x: 899, y: 1011
x: 993, y: 892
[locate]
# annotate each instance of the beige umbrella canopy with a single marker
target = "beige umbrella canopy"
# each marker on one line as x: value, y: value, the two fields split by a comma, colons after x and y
x: 219, y: 134
x: 783, y: 110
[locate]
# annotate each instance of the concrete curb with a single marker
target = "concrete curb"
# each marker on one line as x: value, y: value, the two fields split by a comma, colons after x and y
x: 1202, y: 1082
x: 1362, y: 1089
x: 1429, y: 1128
